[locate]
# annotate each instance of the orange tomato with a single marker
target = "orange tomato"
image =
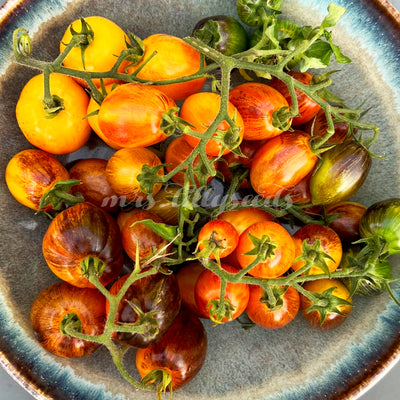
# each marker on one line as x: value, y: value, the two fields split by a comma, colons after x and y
x: 173, y: 59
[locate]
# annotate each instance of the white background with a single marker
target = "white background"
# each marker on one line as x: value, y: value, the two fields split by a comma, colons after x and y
x: 386, y: 389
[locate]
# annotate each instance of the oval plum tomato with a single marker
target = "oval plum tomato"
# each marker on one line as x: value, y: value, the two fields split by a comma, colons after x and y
x: 62, y: 303
x: 282, y: 162
x: 165, y: 204
x: 168, y: 57
x: 187, y: 277
x: 347, y: 220
x: 333, y: 315
x: 330, y: 244
x: 148, y: 240
x: 123, y: 169
x: 179, y: 354
x: 270, y: 241
x: 177, y: 152
x: 106, y: 43
x: 256, y: 102
x: 80, y: 238
x: 218, y: 238
x: 208, y: 293
x: 68, y: 130
x: 200, y: 110
x: 32, y: 173
x: 94, y: 186
x: 277, y: 316
x: 157, y: 293
x: 308, y: 108
x: 131, y: 115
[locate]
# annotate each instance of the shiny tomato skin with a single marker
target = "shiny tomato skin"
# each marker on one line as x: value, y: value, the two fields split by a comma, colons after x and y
x: 256, y: 102
x: 283, y: 253
x: 329, y: 241
x: 174, y: 59
x: 308, y: 108
x: 200, y: 110
x: 109, y: 40
x: 94, y: 185
x: 66, y: 132
x: 158, y: 292
x: 332, y: 320
x: 221, y: 233
x: 79, y: 232
x: 165, y: 204
x: 130, y: 115
x: 181, y: 351
x: 281, y: 163
x: 262, y: 315
x: 208, y: 288
x: 30, y: 174
x: 123, y: 168
x: 53, y: 304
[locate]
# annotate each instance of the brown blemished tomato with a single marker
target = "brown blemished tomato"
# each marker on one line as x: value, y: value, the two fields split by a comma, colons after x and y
x: 181, y: 352
x: 200, y: 110
x: 131, y: 115
x: 108, y: 41
x: 124, y: 215
x: 281, y: 163
x: 30, y: 174
x: 308, y: 108
x: 165, y: 204
x: 332, y: 319
x: 174, y: 58
x: 256, y: 102
x: 259, y: 312
x: 220, y: 235
x: 157, y: 293
x: 58, y: 302
x: 94, y: 185
x: 123, y: 169
x: 208, y: 291
x: 280, y: 255
x: 177, y: 152
x: 329, y: 241
x: 347, y: 224
x: 63, y: 133
x: 149, y: 241
x: 83, y: 232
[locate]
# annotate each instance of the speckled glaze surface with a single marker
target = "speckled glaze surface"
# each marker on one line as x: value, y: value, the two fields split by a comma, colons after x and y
x: 294, y: 363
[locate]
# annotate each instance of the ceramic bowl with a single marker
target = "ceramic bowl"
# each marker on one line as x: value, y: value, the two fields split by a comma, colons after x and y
x: 295, y: 362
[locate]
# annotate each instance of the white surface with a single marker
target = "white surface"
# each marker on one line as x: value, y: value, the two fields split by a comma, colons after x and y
x: 386, y: 389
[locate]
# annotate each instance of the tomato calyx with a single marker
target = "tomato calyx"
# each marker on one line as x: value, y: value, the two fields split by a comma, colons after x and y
x: 171, y: 124
x: 220, y: 310
x: 135, y: 50
x: 273, y: 297
x: 83, y: 38
x: 92, y: 267
x: 263, y: 248
x: 161, y: 379
x: 70, y: 322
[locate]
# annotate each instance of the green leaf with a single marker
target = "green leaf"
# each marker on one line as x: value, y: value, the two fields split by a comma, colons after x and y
x: 335, y: 12
x: 168, y: 232
x: 339, y: 56
x: 321, y: 51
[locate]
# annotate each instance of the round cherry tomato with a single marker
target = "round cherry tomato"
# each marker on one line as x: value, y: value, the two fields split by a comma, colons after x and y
x: 208, y: 293
x: 180, y: 353
x: 200, y: 110
x: 154, y: 293
x: 63, y: 133
x: 177, y: 152
x: 256, y: 102
x: 148, y: 240
x: 165, y: 204
x: 84, y: 308
x: 131, y: 115
x: 173, y: 59
x: 272, y: 318
x: 123, y: 169
x: 332, y: 318
x: 329, y: 243
x: 281, y: 163
x: 83, y: 233
x: 219, y: 236
x: 278, y: 247
x: 107, y: 42
x: 94, y: 186
x: 307, y: 108
x: 32, y: 173
x: 347, y: 222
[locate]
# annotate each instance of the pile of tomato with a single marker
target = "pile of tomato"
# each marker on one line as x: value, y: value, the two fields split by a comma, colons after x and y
x: 94, y: 233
